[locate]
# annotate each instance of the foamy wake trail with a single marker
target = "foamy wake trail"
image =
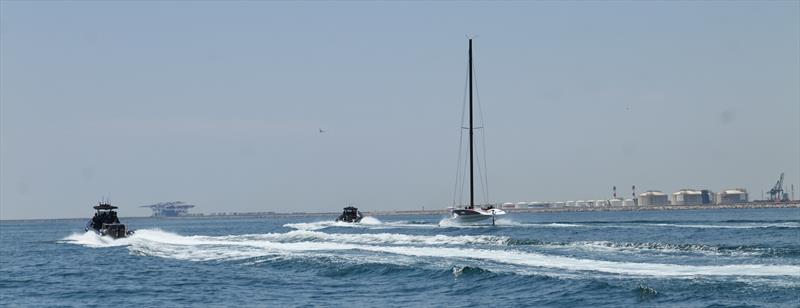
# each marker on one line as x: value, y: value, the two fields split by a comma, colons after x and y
x: 90, y: 239
x: 658, y: 248
x: 365, y: 222
x: 391, y: 247
x: 503, y: 222
x: 368, y: 222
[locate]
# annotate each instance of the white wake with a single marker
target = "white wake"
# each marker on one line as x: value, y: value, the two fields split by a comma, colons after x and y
x: 360, y: 248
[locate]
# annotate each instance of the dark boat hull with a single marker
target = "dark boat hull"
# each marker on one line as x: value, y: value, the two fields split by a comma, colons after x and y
x: 114, y: 231
x: 349, y: 219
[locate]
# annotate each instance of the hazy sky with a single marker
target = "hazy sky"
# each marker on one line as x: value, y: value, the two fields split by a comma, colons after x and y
x: 219, y: 103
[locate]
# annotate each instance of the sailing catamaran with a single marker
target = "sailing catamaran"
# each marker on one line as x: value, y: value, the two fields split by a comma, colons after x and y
x: 471, y: 213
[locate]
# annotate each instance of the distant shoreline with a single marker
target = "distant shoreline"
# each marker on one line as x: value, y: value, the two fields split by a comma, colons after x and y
x: 790, y: 204
x: 752, y: 205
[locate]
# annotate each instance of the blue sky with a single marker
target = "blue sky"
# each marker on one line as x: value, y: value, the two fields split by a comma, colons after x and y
x: 219, y: 103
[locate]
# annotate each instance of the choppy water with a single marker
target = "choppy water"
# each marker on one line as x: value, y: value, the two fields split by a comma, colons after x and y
x: 675, y: 258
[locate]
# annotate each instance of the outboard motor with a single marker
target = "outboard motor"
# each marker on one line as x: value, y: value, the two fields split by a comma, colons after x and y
x: 115, y: 230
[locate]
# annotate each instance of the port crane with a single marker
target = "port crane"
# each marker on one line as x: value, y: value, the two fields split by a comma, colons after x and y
x: 777, y: 193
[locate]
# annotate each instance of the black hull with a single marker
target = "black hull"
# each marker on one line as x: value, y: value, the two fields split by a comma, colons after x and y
x: 349, y: 219
x: 114, y: 231
x: 350, y: 214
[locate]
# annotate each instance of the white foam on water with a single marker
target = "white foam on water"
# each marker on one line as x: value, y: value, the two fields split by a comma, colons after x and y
x: 365, y: 222
x: 94, y: 240
x: 311, y: 244
x: 612, y: 267
x: 368, y: 222
x: 319, y: 225
x: 660, y: 248
x: 91, y: 239
x: 503, y: 222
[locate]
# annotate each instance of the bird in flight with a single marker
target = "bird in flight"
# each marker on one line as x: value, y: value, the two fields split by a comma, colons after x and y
x: 322, y: 131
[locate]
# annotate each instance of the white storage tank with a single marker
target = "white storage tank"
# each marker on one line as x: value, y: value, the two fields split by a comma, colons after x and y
x: 601, y: 203
x: 628, y: 202
x: 559, y: 204
x: 522, y: 205
x: 687, y: 197
x: 580, y: 203
x: 732, y: 196
x: 508, y: 205
x: 616, y: 202
x: 570, y: 203
x: 653, y: 197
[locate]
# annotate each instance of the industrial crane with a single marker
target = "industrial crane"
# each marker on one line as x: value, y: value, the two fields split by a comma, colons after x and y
x: 777, y: 193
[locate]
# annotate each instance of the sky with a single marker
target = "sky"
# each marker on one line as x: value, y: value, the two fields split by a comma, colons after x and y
x: 219, y: 104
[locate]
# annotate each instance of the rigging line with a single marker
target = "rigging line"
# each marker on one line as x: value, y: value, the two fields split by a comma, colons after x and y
x: 464, y: 181
x: 483, y: 133
x: 461, y: 141
x: 480, y: 175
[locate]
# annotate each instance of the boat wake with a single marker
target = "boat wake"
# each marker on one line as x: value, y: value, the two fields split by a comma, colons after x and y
x: 365, y: 223
x: 490, y: 252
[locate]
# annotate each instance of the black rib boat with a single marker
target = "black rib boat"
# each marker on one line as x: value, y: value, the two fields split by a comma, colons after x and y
x: 105, y: 222
x: 350, y: 214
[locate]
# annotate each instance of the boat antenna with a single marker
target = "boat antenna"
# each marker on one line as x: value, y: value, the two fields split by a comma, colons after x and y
x: 471, y: 171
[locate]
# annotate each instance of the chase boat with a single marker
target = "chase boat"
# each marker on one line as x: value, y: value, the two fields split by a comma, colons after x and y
x: 350, y: 214
x: 106, y: 223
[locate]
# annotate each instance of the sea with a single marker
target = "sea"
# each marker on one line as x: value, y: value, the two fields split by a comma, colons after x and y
x: 677, y: 258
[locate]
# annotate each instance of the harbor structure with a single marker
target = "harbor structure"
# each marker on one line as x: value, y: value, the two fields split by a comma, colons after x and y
x: 653, y: 197
x: 170, y: 209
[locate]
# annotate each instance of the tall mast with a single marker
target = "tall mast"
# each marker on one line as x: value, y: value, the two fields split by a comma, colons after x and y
x: 471, y: 171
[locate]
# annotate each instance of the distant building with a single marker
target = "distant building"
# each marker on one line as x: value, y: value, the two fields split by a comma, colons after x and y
x: 170, y: 209
x: 732, y: 196
x: 687, y: 197
x: 707, y: 196
x: 653, y: 197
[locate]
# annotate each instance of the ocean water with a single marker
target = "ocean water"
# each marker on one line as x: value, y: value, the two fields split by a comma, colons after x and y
x: 656, y: 258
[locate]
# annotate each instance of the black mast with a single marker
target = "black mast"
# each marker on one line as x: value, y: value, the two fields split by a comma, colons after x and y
x: 471, y: 181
